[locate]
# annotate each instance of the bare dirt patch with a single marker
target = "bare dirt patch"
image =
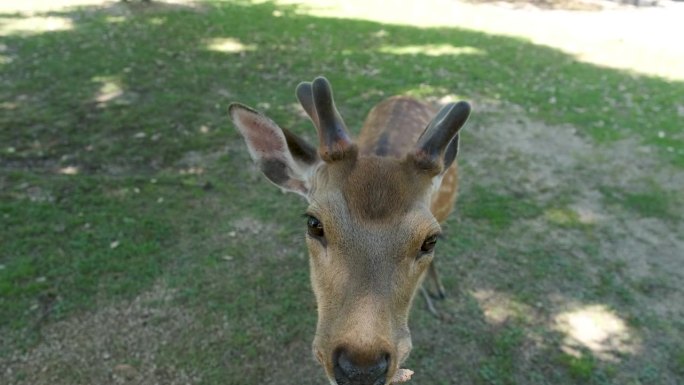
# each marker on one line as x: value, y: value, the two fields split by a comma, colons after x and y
x: 541, y: 158
x: 575, y: 180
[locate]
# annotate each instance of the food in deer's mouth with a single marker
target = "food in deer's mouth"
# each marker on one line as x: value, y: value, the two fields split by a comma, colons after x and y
x: 402, y: 375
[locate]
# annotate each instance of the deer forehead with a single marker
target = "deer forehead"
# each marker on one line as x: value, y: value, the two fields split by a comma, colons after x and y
x: 381, y: 196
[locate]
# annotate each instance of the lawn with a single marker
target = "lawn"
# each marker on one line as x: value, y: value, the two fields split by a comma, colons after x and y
x: 139, y: 244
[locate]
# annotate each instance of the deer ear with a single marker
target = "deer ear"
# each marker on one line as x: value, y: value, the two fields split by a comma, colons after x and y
x: 283, y: 157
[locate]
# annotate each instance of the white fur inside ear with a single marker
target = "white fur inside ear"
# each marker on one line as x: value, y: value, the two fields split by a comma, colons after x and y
x: 436, y: 183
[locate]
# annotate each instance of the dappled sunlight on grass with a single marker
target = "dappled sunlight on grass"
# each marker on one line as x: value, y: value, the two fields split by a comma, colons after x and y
x: 156, y: 20
x: 597, y: 328
x: 561, y: 216
x: 69, y: 170
x: 28, y: 6
x: 500, y: 307
x: 228, y: 45
x: 587, y: 216
x: 571, y: 216
x: 34, y: 25
x: 191, y: 171
x: 425, y: 90
x: 109, y: 90
x: 115, y: 19
x: 431, y: 50
x: 446, y: 99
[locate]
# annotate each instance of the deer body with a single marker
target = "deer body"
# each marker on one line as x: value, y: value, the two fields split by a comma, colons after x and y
x: 372, y: 220
x: 392, y: 129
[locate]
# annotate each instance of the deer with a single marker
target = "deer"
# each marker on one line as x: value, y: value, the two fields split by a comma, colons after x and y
x: 375, y: 209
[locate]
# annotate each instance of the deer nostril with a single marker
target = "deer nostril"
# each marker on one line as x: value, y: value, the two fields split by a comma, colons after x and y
x: 350, y: 370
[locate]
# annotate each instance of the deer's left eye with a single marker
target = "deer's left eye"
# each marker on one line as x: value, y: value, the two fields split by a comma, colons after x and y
x: 429, y: 244
x: 314, y: 227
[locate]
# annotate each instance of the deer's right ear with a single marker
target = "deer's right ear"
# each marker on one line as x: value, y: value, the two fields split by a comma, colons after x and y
x: 283, y: 157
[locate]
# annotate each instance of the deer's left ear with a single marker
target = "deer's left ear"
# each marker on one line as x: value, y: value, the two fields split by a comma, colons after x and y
x: 284, y: 158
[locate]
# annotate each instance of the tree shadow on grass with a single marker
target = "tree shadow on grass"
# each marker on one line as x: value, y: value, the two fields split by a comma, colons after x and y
x: 123, y: 94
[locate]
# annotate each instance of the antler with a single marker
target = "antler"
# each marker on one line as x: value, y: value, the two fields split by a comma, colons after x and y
x: 437, y: 146
x: 317, y: 100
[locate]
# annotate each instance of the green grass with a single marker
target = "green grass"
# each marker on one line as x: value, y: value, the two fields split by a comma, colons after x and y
x: 678, y: 361
x: 498, y: 210
x: 654, y: 203
x: 74, y: 238
x: 498, y: 369
x: 136, y: 108
x: 581, y: 368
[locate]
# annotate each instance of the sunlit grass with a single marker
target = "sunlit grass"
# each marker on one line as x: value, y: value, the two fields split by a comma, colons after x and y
x: 34, y: 25
x: 620, y: 46
x: 109, y: 89
x: 598, y: 329
x: 571, y: 217
x: 69, y: 170
x: 431, y: 50
x: 499, y: 307
x: 115, y: 19
x: 228, y: 45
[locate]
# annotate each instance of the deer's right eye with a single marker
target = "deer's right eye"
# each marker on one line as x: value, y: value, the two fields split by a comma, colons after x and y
x: 314, y: 227
x: 429, y: 244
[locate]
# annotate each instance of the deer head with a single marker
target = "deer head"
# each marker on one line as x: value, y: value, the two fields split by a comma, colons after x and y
x: 369, y: 228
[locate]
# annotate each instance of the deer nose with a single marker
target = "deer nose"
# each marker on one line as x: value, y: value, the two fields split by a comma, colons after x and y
x: 352, y: 370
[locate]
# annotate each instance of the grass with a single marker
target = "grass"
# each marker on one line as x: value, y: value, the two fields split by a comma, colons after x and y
x: 654, y: 203
x: 581, y: 368
x: 498, y: 210
x: 119, y: 170
x: 498, y: 368
x: 73, y: 237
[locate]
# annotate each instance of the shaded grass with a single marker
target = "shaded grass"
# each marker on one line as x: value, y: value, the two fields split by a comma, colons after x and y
x: 71, y: 237
x: 498, y: 369
x: 71, y: 242
x: 654, y: 203
x: 581, y: 368
x: 498, y: 210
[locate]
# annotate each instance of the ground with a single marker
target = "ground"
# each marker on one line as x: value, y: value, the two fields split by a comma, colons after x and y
x: 140, y: 246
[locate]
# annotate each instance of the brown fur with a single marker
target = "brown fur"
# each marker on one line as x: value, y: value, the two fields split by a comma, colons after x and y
x: 376, y: 216
x: 444, y: 199
x: 381, y: 188
x: 394, y: 126
x: 382, y: 210
x: 400, y: 120
x: 377, y: 204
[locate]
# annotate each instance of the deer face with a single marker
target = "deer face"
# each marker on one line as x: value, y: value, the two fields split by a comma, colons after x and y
x: 371, y: 237
x: 369, y: 229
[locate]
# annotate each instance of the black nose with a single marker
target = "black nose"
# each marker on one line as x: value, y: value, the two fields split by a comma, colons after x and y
x: 352, y: 369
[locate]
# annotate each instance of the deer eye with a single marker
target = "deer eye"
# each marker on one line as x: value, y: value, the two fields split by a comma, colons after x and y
x: 314, y: 227
x: 429, y: 244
